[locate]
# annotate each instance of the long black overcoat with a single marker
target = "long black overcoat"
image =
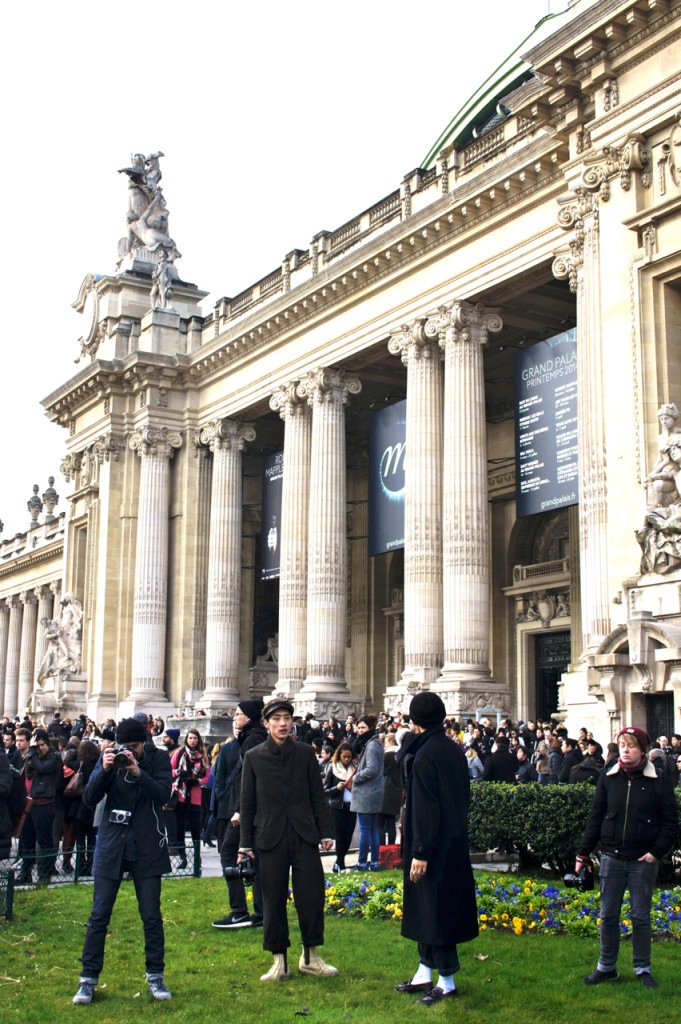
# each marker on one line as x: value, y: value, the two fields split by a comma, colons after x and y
x: 440, y: 909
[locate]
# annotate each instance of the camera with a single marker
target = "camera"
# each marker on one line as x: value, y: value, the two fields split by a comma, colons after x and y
x: 121, y: 759
x: 582, y: 879
x: 118, y: 817
x: 245, y: 871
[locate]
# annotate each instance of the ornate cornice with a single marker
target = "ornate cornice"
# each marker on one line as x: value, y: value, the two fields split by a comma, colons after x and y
x: 152, y: 441
x: 227, y: 435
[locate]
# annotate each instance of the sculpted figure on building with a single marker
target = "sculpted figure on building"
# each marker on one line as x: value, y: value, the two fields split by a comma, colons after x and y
x: 63, y: 638
x: 147, y: 215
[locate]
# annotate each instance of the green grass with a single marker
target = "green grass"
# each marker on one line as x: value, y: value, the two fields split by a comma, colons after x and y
x: 214, y: 975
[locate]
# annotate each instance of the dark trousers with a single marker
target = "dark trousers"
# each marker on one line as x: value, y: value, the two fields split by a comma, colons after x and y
x: 38, y: 830
x: 443, y: 959
x: 387, y: 828
x: 229, y: 850
x: 188, y: 816
x: 638, y: 876
x: 148, y: 892
x: 86, y: 837
x: 292, y: 853
x: 344, y: 827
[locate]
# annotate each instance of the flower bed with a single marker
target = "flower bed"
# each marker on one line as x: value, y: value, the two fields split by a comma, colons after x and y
x: 505, y: 903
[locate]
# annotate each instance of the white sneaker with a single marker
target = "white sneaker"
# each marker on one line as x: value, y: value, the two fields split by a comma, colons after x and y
x: 313, y: 964
x: 279, y: 970
x: 85, y: 993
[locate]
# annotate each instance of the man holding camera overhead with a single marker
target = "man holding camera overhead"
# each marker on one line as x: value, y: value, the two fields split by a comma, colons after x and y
x: 135, y: 778
x: 634, y: 818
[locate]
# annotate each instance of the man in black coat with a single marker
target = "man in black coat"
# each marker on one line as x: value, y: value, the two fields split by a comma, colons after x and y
x: 250, y: 733
x: 5, y: 823
x: 502, y: 765
x: 132, y: 838
x: 285, y: 818
x: 572, y: 755
x: 439, y: 908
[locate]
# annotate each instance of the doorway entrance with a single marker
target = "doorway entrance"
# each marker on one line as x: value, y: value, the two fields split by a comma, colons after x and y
x: 552, y: 657
x: 660, y: 715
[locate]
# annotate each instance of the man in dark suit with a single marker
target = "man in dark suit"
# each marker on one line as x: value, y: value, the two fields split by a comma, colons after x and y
x: 285, y: 818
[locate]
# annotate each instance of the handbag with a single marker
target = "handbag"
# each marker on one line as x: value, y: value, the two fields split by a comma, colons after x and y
x: 73, y: 789
x: 18, y: 828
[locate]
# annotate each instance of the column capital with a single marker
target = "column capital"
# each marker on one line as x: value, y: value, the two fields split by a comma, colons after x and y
x: 288, y: 401
x: 411, y: 342
x: 70, y: 465
x: 227, y: 435
x: 28, y: 597
x: 460, y: 322
x: 12, y: 601
x: 157, y: 441
x: 326, y: 386
x: 109, y: 446
x: 55, y: 587
x: 42, y: 592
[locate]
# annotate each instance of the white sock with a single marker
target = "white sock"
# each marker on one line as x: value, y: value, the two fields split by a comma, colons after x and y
x: 422, y: 975
x: 446, y: 982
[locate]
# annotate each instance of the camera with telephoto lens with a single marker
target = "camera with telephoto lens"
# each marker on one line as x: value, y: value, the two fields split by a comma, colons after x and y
x: 582, y: 879
x: 245, y: 871
x: 121, y: 759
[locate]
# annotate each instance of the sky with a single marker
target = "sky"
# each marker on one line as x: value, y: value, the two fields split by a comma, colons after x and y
x: 276, y: 121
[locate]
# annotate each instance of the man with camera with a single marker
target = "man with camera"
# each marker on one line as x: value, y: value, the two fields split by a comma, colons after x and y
x: 285, y: 818
x: 135, y: 778
x: 634, y: 818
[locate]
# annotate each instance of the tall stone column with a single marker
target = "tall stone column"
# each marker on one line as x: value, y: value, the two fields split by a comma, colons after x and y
x: 325, y: 689
x: 582, y: 268
x: 421, y: 355
x: 45, y: 604
x: 16, y: 612
x: 4, y: 636
x: 155, y: 448
x: 226, y: 440
x: 295, y: 412
x: 27, y: 649
x: 462, y: 330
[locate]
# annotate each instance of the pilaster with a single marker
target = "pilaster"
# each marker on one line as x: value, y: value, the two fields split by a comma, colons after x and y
x: 295, y: 412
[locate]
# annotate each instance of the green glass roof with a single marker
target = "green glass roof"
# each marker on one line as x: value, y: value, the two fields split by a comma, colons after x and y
x: 483, y: 103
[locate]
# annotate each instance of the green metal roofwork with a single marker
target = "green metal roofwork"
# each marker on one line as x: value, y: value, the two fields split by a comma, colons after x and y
x: 483, y: 104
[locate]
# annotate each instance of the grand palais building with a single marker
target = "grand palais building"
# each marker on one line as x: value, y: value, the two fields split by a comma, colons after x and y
x: 434, y: 448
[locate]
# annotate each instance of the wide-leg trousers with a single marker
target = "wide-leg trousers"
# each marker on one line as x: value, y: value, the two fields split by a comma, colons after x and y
x: 304, y: 862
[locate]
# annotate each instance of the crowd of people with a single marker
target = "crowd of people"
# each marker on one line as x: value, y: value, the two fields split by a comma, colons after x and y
x: 281, y: 788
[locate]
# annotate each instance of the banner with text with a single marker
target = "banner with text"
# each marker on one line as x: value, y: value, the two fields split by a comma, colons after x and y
x: 270, y: 537
x: 387, y: 435
x: 546, y: 425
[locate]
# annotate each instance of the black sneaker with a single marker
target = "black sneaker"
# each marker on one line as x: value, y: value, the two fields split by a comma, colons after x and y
x: 646, y: 978
x: 234, y: 920
x: 597, y: 977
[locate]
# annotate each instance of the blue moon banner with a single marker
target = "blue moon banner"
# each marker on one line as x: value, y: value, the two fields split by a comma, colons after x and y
x: 387, y: 437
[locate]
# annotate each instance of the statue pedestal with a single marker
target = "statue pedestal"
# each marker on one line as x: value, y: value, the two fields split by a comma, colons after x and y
x: 160, y: 332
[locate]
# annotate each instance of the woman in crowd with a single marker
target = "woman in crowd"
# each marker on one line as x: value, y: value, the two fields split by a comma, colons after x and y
x: 392, y: 792
x: 556, y: 757
x: 190, y: 773
x: 338, y: 787
x: 78, y: 813
x: 367, y: 792
x: 475, y: 766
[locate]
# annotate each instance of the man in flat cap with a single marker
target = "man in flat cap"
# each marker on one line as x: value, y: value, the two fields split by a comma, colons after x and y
x: 439, y: 909
x: 132, y: 837
x: 634, y: 818
x: 285, y: 819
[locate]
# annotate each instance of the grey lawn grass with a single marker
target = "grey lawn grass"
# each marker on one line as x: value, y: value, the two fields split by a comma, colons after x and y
x: 213, y: 974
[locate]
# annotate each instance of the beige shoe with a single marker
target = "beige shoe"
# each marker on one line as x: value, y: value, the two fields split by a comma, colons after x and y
x: 279, y: 970
x: 311, y: 963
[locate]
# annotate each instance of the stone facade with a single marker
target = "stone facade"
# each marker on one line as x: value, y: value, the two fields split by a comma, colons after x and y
x: 560, y: 210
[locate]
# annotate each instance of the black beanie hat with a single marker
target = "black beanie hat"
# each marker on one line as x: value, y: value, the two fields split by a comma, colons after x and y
x: 40, y: 734
x: 252, y: 708
x: 131, y: 731
x: 427, y: 710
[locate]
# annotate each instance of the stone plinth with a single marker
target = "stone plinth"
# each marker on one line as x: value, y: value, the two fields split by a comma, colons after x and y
x: 160, y: 332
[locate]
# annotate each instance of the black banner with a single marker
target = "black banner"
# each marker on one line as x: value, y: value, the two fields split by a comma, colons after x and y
x: 270, y: 537
x: 387, y: 436
x: 546, y: 425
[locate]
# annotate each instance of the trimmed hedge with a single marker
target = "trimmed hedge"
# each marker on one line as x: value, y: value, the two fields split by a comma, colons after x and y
x: 540, y: 824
